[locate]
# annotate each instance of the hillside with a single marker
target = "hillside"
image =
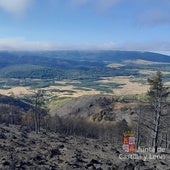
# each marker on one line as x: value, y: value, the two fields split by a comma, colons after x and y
x: 100, y: 109
x: 21, y: 150
x: 14, y: 111
x: 67, y: 64
x: 6, y: 100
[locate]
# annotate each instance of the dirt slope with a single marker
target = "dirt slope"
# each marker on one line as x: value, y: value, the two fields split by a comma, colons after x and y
x: 21, y: 150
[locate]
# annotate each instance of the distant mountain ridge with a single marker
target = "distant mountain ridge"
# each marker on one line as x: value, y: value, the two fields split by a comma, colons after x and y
x: 62, y: 57
x: 71, y: 64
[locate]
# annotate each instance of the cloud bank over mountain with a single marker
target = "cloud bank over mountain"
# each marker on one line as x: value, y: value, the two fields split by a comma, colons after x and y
x: 85, y: 24
x: 21, y: 44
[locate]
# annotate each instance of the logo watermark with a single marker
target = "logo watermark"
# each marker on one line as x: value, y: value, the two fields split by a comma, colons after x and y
x: 142, y: 153
x: 129, y: 142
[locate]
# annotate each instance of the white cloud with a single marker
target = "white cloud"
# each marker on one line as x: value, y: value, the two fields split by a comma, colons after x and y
x: 20, y: 44
x: 153, y: 46
x: 14, y: 6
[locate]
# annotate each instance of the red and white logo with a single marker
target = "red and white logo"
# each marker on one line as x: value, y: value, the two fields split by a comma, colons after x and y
x: 129, y: 142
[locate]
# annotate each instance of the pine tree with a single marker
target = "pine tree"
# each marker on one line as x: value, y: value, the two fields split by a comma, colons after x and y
x: 158, y: 94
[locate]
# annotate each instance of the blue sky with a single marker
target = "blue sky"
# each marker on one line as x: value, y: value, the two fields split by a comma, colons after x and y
x: 142, y: 25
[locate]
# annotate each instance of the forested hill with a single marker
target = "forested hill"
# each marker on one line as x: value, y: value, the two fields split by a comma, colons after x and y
x: 62, y: 57
x: 76, y: 64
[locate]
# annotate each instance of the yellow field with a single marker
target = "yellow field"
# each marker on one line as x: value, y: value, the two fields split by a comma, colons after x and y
x: 16, y: 91
x: 128, y: 87
x: 64, y: 90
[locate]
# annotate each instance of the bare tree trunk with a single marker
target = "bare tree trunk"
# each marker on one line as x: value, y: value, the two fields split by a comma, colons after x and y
x: 36, y: 114
x: 156, y: 131
x: 35, y: 122
x: 138, y: 129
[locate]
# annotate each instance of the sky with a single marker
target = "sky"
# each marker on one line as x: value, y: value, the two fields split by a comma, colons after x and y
x: 142, y: 25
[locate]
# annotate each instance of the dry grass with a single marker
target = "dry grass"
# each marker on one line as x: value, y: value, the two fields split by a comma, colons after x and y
x: 128, y: 87
x: 75, y: 93
x: 150, y: 72
x: 115, y: 65
x: 16, y: 91
x: 120, y: 105
x: 64, y: 90
x: 143, y: 62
